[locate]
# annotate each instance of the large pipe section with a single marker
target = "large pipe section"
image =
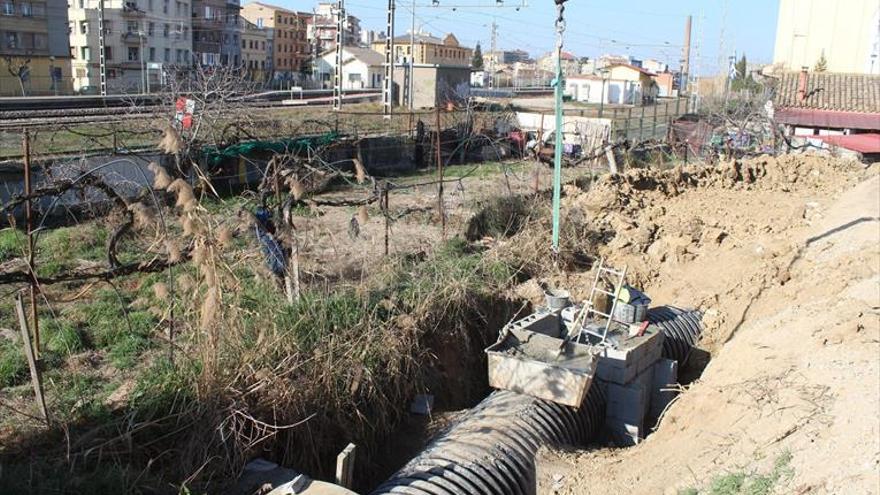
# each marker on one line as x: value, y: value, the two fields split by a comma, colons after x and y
x: 491, y: 451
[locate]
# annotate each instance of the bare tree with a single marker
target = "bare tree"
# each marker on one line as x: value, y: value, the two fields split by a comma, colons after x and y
x: 19, y: 67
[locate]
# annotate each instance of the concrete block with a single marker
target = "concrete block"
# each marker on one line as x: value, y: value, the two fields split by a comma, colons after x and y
x: 622, y: 365
x: 665, y: 377
x: 630, y: 402
x: 547, y: 323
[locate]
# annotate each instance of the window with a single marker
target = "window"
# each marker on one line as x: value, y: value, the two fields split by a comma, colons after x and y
x: 134, y: 54
x: 26, y: 9
x: 84, y: 27
x: 132, y: 27
x: 177, y: 7
x: 152, y: 54
x: 12, y: 40
x: 164, y: 6
x: 108, y: 27
x: 259, y: 22
x: 167, y: 55
x: 209, y: 12
x: 85, y: 53
x: 243, y: 44
x: 178, y: 56
x: 150, y: 5
x: 108, y: 53
x: 185, y: 33
x: 8, y: 8
x: 82, y: 4
x: 166, y: 29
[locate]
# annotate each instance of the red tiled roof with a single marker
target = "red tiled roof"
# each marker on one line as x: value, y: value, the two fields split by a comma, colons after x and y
x: 830, y: 91
x: 862, y: 143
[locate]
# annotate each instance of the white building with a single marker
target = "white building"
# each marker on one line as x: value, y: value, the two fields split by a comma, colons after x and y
x: 620, y: 84
x: 845, y: 33
x: 361, y: 68
x: 142, y: 40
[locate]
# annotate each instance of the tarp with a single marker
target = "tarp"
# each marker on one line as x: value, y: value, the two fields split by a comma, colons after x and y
x: 215, y: 155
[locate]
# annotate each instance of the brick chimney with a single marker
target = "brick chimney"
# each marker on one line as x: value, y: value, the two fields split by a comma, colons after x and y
x: 802, y: 85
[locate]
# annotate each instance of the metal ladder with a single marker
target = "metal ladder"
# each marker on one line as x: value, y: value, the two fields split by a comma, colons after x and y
x: 592, y: 311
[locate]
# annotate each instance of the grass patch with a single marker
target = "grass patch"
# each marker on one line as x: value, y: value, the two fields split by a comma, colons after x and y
x: 13, y: 364
x: 13, y: 244
x: 743, y: 483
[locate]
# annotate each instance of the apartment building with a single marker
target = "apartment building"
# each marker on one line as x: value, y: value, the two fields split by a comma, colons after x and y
x: 286, y: 38
x: 33, y: 46
x: 322, y: 27
x: 430, y: 50
x: 216, y: 32
x: 254, y: 51
x: 143, y: 40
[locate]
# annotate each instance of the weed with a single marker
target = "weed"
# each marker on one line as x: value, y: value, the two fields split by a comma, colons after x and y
x: 164, y: 387
x: 502, y: 216
x: 12, y: 244
x: 13, y: 365
x: 742, y: 483
x: 62, y: 337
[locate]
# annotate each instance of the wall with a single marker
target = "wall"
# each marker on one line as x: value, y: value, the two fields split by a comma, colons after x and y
x: 434, y: 85
x: 40, y: 81
x: 847, y: 31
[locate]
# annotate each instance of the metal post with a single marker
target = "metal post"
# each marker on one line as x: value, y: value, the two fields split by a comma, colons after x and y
x: 29, y: 223
x: 557, y: 159
x: 102, y: 60
x: 340, y: 42
x: 388, y: 86
x: 412, y: 57
x: 440, y: 208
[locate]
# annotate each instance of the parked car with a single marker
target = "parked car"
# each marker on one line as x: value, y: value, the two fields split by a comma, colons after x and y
x: 88, y: 90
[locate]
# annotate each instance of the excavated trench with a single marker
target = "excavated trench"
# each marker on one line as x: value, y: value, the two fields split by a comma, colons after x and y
x: 491, y: 450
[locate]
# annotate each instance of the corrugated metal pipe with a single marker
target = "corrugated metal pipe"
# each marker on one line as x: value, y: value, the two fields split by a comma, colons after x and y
x: 491, y: 451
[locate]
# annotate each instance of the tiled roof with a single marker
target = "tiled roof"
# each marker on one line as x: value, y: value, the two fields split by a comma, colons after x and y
x: 830, y: 91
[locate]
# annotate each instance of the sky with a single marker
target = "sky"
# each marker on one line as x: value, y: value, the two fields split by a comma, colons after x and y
x: 641, y: 28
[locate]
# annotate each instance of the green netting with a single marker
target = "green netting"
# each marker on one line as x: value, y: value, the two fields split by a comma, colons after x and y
x: 214, y: 155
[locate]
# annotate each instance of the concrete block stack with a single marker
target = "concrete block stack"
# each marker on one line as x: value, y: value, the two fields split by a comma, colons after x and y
x: 628, y: 375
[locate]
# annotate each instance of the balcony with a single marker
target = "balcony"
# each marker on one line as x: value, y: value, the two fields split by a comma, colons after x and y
x: 130, y: 9
x: 133, y: 37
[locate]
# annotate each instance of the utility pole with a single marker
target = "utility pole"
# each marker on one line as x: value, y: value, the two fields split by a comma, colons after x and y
x: 102, y: 60
x: 412, y: 57
x: 388, y: 85
x: 493, y: 54
x: 686, y: 59
x: 340, y: 41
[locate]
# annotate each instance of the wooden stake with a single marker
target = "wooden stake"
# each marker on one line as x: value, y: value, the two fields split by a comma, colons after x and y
x: 440, y: 208
x: 30, y: 241
x: 387, y: 212
x: 345, y: 466
x: 31, y: 358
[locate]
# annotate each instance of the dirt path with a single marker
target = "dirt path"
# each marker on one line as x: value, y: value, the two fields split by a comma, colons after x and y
x: 790, y: 280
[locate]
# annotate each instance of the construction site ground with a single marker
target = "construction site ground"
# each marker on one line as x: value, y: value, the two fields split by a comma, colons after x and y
x: 783, y: 256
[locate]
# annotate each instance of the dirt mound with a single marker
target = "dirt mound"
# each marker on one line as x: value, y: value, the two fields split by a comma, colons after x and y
x: 781, y: 256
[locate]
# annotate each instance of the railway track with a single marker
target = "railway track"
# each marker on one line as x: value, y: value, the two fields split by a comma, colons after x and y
x: 44, y: 111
